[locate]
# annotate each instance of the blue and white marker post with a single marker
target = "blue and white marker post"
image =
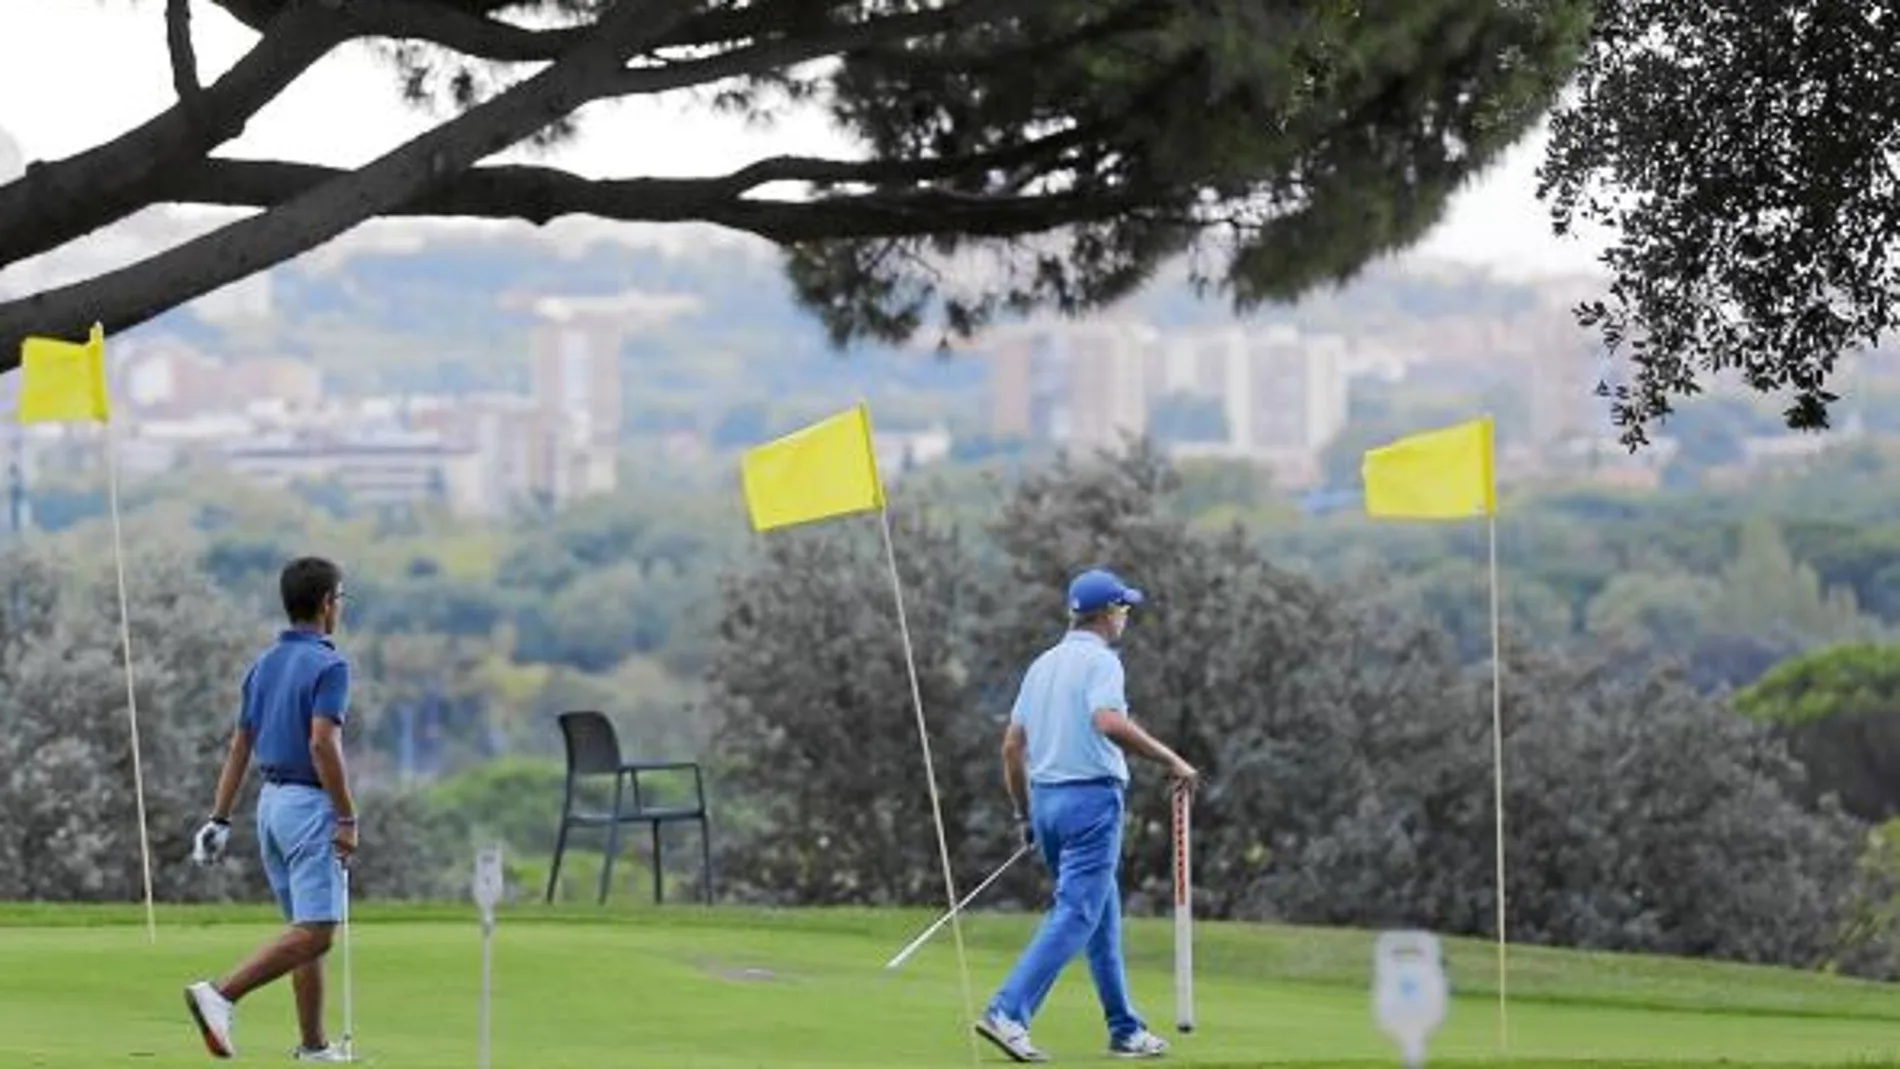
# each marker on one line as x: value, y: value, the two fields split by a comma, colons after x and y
x: 487, y: 892
x: 1409, y: 990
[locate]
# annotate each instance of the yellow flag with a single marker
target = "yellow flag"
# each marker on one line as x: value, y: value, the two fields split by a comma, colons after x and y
x: 63, y: 382
x: 826, y: 469
x: 1436, y: 475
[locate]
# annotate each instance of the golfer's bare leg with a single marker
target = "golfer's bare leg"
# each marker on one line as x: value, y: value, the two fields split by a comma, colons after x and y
x: 307, y: 982
x: 299, y: 945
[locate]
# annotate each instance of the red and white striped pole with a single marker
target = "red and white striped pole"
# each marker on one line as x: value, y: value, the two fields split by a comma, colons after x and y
x: 1183, y: 916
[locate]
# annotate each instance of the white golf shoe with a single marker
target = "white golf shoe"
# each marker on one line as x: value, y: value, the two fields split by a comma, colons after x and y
x: 1010, y: 1037
x: 335, y: 1052
x: 214, y: 1014
x: 1143, y: 1044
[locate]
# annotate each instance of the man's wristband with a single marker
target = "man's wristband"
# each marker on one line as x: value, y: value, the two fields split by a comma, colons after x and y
x: 222, y: 822
x: 348, y: 822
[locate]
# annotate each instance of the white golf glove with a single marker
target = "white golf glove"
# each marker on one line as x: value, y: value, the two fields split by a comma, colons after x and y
x: 208, y: 845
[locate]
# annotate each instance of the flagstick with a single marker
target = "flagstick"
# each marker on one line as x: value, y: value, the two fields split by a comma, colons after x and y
x: 1497, y: 770
x: 930, y: 778
x: 131, y: 694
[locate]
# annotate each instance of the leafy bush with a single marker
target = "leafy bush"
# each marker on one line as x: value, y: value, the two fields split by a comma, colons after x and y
x: 1348, y: 750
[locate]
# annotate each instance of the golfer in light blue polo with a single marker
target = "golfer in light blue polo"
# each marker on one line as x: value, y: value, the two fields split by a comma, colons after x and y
x: 1064, y: 765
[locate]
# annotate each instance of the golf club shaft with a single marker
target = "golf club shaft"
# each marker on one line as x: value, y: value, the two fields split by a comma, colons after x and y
x: 905, y: 953
x: 487, y: 991
x: 349, y: 993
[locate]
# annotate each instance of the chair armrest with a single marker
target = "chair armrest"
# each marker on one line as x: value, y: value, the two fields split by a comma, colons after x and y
x: 659, y: 766
x: 633, y: 769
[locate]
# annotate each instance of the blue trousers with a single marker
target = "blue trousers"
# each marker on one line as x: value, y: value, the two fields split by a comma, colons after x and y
x: 1079, y: 828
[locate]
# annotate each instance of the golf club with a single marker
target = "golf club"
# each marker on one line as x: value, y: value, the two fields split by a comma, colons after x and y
x: 349, y: 1007
x: 904, y: 954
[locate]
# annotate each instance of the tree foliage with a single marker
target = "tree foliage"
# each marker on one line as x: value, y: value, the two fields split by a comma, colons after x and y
x: 817, y: 730
x: 1013, y: 156
x: 68, y: 814
x: 1346, y: 744
x: 1839, y: 709
x: 1741, y: 154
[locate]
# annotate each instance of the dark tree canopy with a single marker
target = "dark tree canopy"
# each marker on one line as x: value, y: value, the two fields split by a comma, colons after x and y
x: 1743, y: 155
x: 1066, y: 148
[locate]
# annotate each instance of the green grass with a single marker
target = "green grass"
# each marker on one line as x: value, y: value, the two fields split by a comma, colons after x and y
x: 578, y: 987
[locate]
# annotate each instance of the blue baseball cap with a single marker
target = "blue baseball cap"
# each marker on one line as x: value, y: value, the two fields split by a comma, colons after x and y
x: 1099, y: 588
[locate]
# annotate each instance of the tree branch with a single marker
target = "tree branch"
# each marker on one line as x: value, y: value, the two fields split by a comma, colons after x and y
x: 779, y: 53
x: 541, y: 194
x: 133, y: 294
x: 54, y: 203
x: 462, y: 31
x: 731, y: 24
x: 184, y: 60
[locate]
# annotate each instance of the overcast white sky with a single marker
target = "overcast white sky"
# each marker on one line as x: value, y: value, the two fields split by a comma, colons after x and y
x: 344, y: 112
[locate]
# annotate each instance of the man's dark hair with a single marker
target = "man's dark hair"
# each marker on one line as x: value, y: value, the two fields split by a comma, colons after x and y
x: 305, y: 582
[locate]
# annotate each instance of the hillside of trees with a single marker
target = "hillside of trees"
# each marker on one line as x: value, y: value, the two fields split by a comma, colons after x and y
x: 1678, y: 669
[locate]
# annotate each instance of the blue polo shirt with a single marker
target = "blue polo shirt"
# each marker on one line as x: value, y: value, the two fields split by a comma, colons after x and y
x: 1056, y: 707
x: 300, y: 676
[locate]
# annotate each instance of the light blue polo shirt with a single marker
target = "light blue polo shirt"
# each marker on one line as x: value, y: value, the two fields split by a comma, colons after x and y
x: 299, y: 677
x: 1056, y: 707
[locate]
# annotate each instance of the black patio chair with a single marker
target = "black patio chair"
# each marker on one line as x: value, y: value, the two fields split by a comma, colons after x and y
x: 593, y: 750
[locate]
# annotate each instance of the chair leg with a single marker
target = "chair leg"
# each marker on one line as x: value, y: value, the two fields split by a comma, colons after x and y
x: 607, y: 862
x: 560, y: 847
x: 613, y: 847
x: 659, y: 891
x: 705, y: 861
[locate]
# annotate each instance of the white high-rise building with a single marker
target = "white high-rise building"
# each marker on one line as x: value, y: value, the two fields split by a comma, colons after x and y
x: 1084, y: 386
x: 1286, y: 393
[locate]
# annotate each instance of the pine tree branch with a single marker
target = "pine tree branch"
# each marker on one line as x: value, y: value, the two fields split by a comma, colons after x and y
x: 184, y: 62
x: 540, y: 195
x: 58, y: 202
x: 125, y: 298
x: 788, y: 51
x: 136, y: 293
x: 461, y: 30
x: 476, y: 35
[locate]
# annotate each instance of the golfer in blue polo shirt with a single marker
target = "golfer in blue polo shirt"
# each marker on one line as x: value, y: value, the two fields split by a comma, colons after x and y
x: 295, y: 698
x: 1064, y: 766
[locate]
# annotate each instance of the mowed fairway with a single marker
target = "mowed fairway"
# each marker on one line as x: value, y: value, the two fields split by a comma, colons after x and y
x: 577, y: 988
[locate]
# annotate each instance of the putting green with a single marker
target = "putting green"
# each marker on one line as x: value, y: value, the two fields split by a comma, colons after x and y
x: 577, y: 988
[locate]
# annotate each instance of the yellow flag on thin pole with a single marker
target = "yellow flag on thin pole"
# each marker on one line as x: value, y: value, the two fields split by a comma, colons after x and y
x: 65, y: 382
x: 62, y: 381
x: 1435, y: 475
x: 817, y: 472
x: 829, y: 469
x: 1450, y: 474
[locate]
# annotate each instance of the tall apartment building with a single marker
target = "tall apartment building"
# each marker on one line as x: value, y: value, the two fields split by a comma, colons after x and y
x: 576, y: 386
x: 576, y: 373
x: 1083, y: 385
x: 1195, y: 362
x: 1282, y: 394
x: 1285, y: 393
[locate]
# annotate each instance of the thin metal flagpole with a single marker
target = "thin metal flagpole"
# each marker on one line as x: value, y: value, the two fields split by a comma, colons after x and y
x: 131, y: 692
x: 1497, y: 775
x: 930, y: 779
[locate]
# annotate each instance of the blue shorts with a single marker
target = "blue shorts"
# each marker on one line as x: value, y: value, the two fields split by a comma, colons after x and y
x: 294, y: 829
